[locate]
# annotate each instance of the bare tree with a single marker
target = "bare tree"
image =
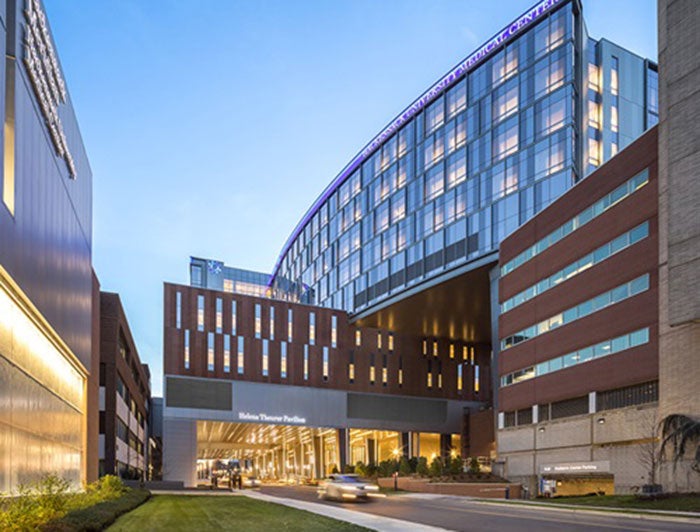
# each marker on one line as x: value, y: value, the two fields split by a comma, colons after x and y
x: 648, y: 451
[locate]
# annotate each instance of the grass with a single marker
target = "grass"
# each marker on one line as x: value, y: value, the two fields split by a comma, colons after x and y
x: 677, y: 503
x: 201, y: 512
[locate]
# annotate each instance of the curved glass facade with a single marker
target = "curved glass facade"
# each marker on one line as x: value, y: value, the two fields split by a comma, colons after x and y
x: 484, y: 153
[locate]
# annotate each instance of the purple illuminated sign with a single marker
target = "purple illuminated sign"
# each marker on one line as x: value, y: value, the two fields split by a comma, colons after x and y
x: 523, y: 21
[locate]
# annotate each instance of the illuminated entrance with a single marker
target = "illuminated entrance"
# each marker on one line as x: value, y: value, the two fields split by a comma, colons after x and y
x: 270, y: 452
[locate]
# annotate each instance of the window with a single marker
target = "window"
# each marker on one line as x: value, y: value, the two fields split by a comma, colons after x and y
x: 187, y: 349
x: 585, y: 216
x: 200, y: 313
x: 391, y: 341
x: 464, y: 352
x: 241, y: 355
x: 372, y: 369
x: 604, y: 300
x: 228, y: 285
x: 258, y: 321
x: 505, y: 101
x: 233, y: 317
x: 306, y: 362
x: 227, y: 354
x: 385, y: 373
x: 334, y: 331
x: 325, y: 363
x: 452, y: 350
x: 435, y: 348
x: 210, y: 351
x: 434, y: 116
x: 379, y: 340
x: 283, y: 360
x: 219, y: 315
x: 506, y: 138
x: 456, y: 168
x: 602, y: 253
x: 476, y: 379
x: 196, y: 275
x: 290, y: 326
x: 400, y: 371
x: 272, y: 323
x: 265, y: 357
x: 312, y: 328
x: 614, y: 75
x: 178, y: 309
x: 434, y: 182
x: 460, y: 368
x: 457, y: 98
x: 358, y: 338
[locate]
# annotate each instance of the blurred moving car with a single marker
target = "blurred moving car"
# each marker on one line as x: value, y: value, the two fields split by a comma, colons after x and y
x: 251, y: 482
x: 346, y: 487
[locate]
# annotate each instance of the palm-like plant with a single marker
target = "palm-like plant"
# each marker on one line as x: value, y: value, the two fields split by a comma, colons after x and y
x: 678, y: 432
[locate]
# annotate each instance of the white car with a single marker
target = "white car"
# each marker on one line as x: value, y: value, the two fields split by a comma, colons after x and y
x: 251, y: 482
x: 346, y: 487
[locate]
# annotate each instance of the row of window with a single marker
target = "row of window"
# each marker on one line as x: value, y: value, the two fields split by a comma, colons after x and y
x: 604, y: 252
x: 123, y: 392
x: 585, y: 354
x: 599, y: 207
x: 611, y: 297
x: 257, y: 324
x: 637, y: 394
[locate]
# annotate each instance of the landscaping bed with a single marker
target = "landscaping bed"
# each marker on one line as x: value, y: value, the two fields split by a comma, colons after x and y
x: 675, y: 502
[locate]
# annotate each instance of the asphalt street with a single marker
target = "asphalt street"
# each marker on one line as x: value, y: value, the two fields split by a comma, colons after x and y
x: 463, y: 514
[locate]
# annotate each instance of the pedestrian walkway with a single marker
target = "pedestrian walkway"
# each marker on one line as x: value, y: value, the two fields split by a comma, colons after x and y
x: 374, y: 522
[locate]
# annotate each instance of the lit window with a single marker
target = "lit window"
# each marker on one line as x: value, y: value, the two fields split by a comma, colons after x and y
x: 358, y: 338
x: 452, y: 350
x: 219, y: 314
x: 241, y: 355
x: 391, y: 342
x: 430, y: 379
x: 258, y: 320
x: 178, y: 309
x: 233, y: 317
x: 471, y: 355
x: 464, y: 353
x: 385, y: 376
x: 351, y: 371
x: 228, y: 285
x: 614, y: 125
x: 435, y: 348
x: 614, y: 88
x: 227, y: 354
x: 283, y: 360
x: 200, y: 313
x: 439, y: 380
x: 379, y: 340
x: 372, y: 370
x: 290, y: 321
x: 593, y: 114
x: 325, y: 363
x: 334, y: 331
x: 272, y: 323
x: 593, y: 77
x: 312, y: 328
x: 210, y: 351
x: 306, y: 362
x: 187, y: 349
x: 459, y: 377
x: 425, y: 347
x: 265, y: 357
x: 476, y: 379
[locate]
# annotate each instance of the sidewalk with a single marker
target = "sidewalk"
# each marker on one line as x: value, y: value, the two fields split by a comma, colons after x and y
x: 374, y: 522
x: 640, y: 513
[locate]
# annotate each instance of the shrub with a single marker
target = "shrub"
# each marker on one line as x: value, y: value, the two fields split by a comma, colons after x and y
x: 334, y: 469
x: 422, y: 466
x: 404, y: 467
x: 349, y: 469
x: 371, y: 470
x: 98, y: 516
x: 360, y: 469
x: 387, y: 468
x: 455, y: 466
x: 436, y: 467
x: 413, y: 462
x: 474, y: 467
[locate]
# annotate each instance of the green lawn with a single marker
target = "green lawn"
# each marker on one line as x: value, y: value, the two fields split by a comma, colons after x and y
x: 201, y: 512
x: 684, y: 503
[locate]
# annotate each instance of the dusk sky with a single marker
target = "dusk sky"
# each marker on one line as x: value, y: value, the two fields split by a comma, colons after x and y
x: 211, y: 126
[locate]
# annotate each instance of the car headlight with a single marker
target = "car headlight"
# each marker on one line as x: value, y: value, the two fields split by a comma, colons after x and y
x: 372, y: 488
x: 348, y: 488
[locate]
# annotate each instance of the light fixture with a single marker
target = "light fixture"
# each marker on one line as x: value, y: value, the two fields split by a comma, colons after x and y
x: 541, y: 429
x: 601, y: 420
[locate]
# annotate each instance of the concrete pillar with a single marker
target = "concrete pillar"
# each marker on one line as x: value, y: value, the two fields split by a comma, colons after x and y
x: 405, y: 445
x: 180, y: 451
x: 318, y: 468
x: 445, y: 445
x: 341, y: 436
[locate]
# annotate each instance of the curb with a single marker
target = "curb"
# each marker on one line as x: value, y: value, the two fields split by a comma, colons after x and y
x: 648, y: 515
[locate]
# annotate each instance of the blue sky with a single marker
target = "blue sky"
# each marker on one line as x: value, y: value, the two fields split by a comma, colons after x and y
x: 211, y: 126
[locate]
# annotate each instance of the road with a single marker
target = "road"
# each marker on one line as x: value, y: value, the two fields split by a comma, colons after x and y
x: 462, y: 514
